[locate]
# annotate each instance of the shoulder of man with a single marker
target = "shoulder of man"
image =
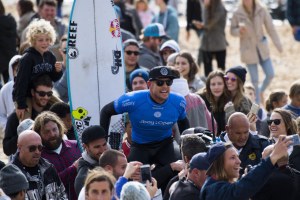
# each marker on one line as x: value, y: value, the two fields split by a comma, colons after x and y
x: 260, y: 140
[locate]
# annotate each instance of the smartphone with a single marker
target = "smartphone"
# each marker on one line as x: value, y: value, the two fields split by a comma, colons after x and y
x: 254, y: 108
x: 295, y: 139
x: 146, y: 173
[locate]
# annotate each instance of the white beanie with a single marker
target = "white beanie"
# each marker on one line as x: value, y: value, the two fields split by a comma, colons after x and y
x: 134, y: 190
x: 26, y: 124
x: 171, y: 44
x: 180, y: 86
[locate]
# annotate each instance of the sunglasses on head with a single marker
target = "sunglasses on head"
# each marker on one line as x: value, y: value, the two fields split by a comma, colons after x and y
x: 33, y: 148
x: 42, y: 93
x: 136, y: 53
x: 276, y: 121
x: 233, y: 79
x: 162, y: 82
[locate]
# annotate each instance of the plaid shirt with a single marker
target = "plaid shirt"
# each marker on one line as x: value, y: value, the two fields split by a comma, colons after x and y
x: 63, y: 163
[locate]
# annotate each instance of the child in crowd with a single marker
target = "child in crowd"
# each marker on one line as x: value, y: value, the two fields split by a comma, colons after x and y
x: 145, y: 14
x: 294, y: 95
x: 36, y: 61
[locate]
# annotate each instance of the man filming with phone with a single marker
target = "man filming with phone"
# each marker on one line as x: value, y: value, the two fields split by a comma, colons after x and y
x: 249, y: 146
x: 152, y: 114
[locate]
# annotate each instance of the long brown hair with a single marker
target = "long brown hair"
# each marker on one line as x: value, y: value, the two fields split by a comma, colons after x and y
x: 2, y: 9
x: 218, y: 105
x: 287, y: 118
x: 193, y: 66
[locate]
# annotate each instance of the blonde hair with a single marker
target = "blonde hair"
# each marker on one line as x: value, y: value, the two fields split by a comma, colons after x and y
x: 98, y: 175
x: 40, y: 26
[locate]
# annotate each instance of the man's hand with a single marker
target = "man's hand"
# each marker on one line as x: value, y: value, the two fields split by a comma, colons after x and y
x: 178, y: 165
x: 20, y: 113
x: 151, y: 187
x: 132, y: 170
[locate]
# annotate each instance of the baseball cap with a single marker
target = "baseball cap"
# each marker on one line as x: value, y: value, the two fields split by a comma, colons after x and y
x: 161, y: 72
x: 139, y: 73
x: 93, y: 133
x: 172, y: 44
x: 214, y: 152
x: 199, y: 161
x: 154, y: 30
x: 12, y: 180
x: 128, y: 42
x: 26, y: 124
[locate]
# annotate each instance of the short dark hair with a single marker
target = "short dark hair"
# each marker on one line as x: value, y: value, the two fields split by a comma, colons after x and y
x: 61, y: 109
x: 44, y: 80
x: 110, y: 157
x: 25, y: 6
x: 192, y: 144
x: 48, y: 3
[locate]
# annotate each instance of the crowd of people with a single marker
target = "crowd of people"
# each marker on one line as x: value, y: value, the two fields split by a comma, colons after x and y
x: 186, y: 135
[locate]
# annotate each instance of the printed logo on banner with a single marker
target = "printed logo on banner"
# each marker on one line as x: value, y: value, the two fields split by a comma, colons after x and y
x: 117, y: 61
x: 81, y: 118
x: 72, y: 50
x: 112, y: 3
x: 114, y: 28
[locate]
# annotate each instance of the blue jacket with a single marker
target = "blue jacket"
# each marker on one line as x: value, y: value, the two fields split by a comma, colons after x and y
x: 240, y: 190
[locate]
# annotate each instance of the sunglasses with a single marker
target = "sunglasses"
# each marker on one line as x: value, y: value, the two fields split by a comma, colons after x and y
x: 33, y: 148
x: 42, y: 93
x: 228, y: 78
x: 161, y: 82
x: 64, y: 50
x: 136, y: 53
x: 276, y: 121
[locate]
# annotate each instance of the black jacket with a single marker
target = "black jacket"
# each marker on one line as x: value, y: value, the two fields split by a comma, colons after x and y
x: 251, y: 152
x: 185, y: 190
x: 31, y: 66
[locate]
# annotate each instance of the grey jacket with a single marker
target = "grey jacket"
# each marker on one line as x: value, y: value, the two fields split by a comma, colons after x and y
x: 213, y: 38
x: 148, y: 58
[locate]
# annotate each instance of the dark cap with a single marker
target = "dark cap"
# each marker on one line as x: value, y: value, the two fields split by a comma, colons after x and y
x: 92, y: 133
x: 139, y: 73
x: 214, y: 152
x: 199, y: 161
x: 239, y: 71
x: 12, y: 180
x: 161, y: 72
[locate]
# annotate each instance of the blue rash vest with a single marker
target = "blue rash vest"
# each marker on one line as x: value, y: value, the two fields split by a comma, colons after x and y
x: 150, y: 121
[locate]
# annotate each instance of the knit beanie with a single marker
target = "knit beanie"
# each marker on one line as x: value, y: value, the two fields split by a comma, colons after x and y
x: 180, y: 86
x: 12, y: 180
x: 134, y: 190
x: 139, y: 72
x: 172, y: 44
x: 26, y: 124
x: 93, y: 133
x: 239, y: 71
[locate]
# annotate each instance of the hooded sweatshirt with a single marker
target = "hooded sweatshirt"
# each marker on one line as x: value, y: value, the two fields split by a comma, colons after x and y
x: 6, y: 102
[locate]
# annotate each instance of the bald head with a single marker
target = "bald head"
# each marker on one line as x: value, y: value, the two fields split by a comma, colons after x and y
x: 28, y: 135
x: 30, y: 147
x: 238, y: 129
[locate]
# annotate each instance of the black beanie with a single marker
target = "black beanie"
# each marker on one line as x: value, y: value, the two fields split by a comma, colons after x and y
x: 12, y: 180
x: 239, y: 71
x: 92, y: 133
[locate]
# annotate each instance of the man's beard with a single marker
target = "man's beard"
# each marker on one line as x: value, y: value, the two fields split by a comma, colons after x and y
x: 51, y: 145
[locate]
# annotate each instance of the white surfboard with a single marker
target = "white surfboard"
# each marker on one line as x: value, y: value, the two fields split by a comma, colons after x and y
x: 96, y: 74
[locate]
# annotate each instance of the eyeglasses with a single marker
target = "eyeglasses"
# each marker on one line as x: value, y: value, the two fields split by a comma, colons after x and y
x: 42, y: 93
x: 136, y: 53
x: 64, y: 50
x: 276, y: 121
x: 33, y: 148
x: 233, y: 79
x: 161, y: 82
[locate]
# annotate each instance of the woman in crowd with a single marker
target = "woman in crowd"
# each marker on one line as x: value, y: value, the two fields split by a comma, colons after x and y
x: 248, y: 23
x: 283, y: 182
x: 276, y: 99
x: 26, y: 12
x: 235, y: 79
x: 186, y: 65
x: 216, y: 95
x: 213, y: 41
x: 223, y: 172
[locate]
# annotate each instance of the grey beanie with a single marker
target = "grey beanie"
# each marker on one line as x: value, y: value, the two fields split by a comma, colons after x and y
x: 12, y: 180
x: 134, y: 190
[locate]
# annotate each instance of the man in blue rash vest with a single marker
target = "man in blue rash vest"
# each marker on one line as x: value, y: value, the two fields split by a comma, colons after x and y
x: 152, y: 114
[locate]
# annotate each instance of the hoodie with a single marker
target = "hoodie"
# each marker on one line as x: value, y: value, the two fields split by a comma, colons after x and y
x: 33, y: 65
x: 6, y: 102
